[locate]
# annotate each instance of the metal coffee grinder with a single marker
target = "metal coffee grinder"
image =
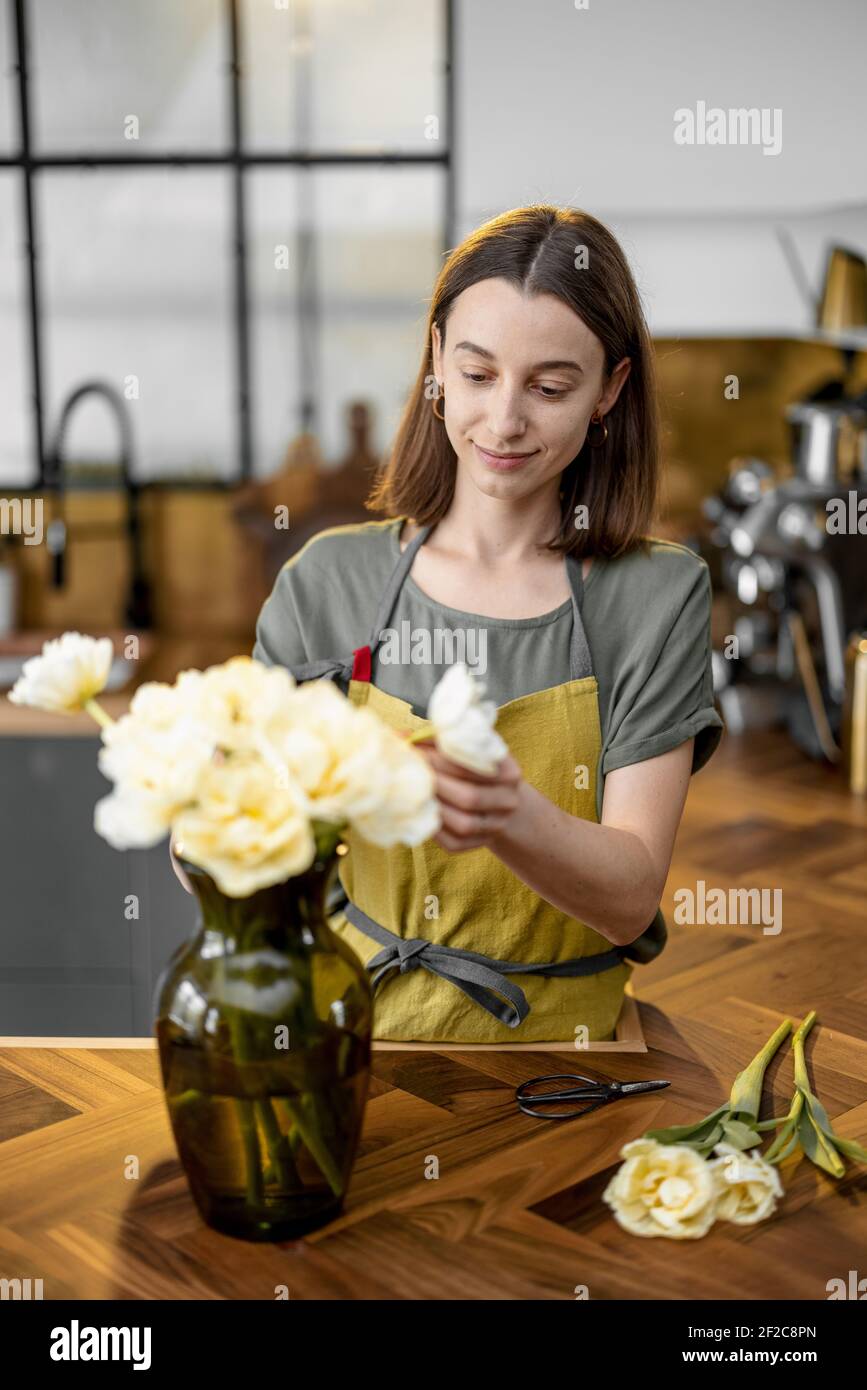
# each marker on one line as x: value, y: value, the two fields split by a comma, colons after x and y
x: 793, y: 554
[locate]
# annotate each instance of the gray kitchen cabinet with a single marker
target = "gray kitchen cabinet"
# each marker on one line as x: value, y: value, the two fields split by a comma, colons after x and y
x: 73, y: 963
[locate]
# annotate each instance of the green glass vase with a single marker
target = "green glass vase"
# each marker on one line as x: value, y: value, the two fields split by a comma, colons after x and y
x: 264, y: 1024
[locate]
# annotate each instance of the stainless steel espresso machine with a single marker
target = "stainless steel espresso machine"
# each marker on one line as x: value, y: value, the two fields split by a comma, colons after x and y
x: 793, y: 555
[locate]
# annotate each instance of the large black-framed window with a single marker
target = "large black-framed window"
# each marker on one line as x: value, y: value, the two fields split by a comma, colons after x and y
x: 296, y: 161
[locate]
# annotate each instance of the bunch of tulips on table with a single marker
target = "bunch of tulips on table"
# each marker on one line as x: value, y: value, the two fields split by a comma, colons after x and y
x: 677, y: 1182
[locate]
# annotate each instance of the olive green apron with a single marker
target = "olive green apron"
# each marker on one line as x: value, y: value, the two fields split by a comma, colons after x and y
x: 460, y: 950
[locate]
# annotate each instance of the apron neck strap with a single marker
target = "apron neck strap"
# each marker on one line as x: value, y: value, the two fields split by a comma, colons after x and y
x: 394, y: 585
x: 580, y: 660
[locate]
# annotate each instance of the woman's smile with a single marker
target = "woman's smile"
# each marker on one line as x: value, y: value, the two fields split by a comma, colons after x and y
x: 503, y: 463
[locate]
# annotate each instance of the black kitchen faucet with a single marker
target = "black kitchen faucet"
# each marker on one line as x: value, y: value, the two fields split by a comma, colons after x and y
x: 139, y: 607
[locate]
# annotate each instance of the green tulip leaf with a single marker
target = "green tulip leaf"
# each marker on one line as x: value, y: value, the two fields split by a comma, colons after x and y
x: 741, y: 1136
x: 816, y: 1146
x: 852, y: 1149
x: 709, y: 1143
x: 787, y: 1148
x: 781, y: 1142
x: 818, y: 1112
x: 682, y: 1134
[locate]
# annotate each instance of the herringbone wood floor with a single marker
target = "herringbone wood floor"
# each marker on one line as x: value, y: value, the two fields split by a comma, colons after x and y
x: 516, y: 1212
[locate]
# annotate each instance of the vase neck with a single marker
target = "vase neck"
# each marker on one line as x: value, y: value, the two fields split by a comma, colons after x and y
x: 283, y: 909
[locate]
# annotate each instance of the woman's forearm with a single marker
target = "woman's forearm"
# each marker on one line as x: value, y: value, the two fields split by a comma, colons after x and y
x: 597, y: 874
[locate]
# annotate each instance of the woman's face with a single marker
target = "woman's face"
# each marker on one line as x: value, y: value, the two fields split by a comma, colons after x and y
x: 522, y: 375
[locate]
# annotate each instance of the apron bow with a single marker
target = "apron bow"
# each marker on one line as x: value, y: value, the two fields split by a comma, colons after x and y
x: 470, y: 971
x: 482, y: 978
x: 409, y: 952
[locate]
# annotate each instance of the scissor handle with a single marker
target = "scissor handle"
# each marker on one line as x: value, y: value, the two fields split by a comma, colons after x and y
x: 530, y: 1109
x: 597, y: 1092
x: 594, y: 1086
x: 575, y: 1093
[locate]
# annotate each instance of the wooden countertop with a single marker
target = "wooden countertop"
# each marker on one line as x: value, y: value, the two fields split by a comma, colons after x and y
x: 517, y: 1210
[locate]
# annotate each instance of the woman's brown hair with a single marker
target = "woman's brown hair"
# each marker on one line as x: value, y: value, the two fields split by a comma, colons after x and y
x: 537, y: 249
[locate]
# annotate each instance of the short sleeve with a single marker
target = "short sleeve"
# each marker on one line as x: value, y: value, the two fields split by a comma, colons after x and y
x: 279, y: 636
x: 665, y: 694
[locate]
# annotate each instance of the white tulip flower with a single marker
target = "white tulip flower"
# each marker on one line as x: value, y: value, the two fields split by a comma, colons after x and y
x: 464, y: 723
x: 69, y: 672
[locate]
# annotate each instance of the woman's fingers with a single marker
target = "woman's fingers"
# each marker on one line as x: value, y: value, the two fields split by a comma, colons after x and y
x: 457, y: 833
x: 474, y: 806
x: 461, y: 830
x: 507, y: 771
x: 475, y: 799
x: 506, y: 767
x: 455, y: 844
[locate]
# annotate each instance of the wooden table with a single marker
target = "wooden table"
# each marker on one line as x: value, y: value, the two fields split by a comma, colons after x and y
x: 516, y: 1211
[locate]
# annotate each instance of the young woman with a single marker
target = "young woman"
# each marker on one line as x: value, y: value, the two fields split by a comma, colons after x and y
x: 519, y: 491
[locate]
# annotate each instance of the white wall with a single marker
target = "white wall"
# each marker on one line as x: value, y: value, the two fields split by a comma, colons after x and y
x: 558, y: 104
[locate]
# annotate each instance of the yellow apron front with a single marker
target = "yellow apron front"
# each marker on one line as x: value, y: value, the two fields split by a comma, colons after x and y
x: 472, y: 901
x: 457, y: 945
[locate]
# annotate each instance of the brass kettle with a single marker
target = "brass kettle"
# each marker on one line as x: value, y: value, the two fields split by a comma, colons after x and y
x: 843, y: 301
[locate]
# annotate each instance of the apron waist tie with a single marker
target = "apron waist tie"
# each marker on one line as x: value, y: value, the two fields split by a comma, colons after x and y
x: 480, y: 977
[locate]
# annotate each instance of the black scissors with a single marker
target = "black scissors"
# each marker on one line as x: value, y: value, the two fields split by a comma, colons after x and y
x: 532, y: 1094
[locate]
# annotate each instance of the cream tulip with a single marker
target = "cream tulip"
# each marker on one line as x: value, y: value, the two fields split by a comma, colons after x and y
x: 69, y: 672
x: 354, y: 769
x: 245, y: 830
x: 663, y: 1190
x: 747, y: 1185
x: 463, y: 723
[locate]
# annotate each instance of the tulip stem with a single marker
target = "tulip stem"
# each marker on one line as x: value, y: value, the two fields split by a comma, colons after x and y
x: 801, y: 1077
x: 279, y: 1148
x: 252, y: 1153
x: 96, y: 712
x: 746, y: 1093
x: 420, y: 735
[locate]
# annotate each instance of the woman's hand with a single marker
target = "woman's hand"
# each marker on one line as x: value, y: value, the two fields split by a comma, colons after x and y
x: 474, y: 808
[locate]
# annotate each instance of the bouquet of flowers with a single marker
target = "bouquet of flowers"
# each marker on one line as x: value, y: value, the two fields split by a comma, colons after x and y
x: 249, y: 771
x: 256, y: 778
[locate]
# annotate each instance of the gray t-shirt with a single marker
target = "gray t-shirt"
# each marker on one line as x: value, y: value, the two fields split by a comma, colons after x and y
x: 646, y: 616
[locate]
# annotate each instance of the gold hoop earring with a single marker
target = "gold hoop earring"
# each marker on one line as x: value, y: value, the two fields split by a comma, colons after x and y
x: 441, y: 396
x: 597, y: 419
